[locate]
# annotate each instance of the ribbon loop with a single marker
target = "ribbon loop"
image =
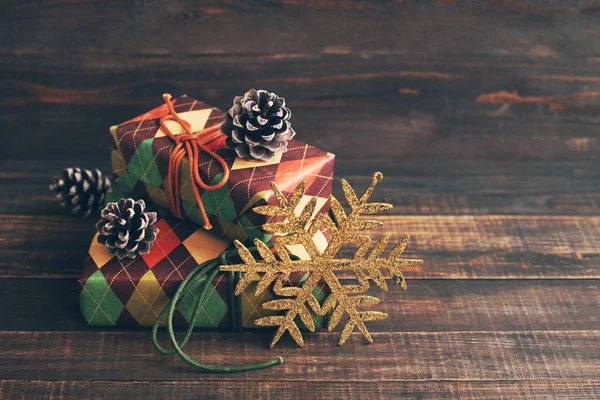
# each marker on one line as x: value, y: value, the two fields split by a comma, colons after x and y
x: 189, y: 144
x: 200, y: 279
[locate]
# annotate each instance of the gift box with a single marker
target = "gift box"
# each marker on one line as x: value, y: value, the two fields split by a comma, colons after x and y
x: 133, y: 292
x: 140, y: 160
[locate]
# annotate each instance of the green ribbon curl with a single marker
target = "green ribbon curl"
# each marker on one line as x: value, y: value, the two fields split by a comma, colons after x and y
x: 207, y: 271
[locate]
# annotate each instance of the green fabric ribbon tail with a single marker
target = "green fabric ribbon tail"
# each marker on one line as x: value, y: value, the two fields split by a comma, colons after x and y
x: 207, y: 272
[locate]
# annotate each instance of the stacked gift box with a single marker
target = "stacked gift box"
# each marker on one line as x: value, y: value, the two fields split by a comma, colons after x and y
x: 133, y: 291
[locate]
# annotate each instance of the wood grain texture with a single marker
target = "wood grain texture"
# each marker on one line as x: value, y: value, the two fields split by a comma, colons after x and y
x: 286, y: 390
x: 446, y: 121
x: 427, y: 305
x: 452, y: 246
x: 449, y: 28
x: 450, y: 79
x: 394, y: 356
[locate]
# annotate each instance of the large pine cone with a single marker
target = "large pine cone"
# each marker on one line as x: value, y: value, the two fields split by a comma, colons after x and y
x: 126, y: 228
x: 257, y: 125
x: 81, y: 190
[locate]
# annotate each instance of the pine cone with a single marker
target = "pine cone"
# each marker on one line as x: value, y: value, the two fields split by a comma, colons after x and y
x: 126, y: 228
x: 257, y: 125
x: 81, y: 190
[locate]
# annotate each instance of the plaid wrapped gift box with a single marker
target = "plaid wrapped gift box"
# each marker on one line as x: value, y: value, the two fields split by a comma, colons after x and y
x: 131, y: 293
x: 140, y: 158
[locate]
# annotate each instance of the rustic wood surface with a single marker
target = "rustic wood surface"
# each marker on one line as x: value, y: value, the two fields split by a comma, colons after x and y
x: 482, y: 115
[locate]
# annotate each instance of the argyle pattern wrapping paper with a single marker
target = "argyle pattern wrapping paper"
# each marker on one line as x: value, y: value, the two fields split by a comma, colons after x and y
x: 131, y: 293
x: 140, y: 158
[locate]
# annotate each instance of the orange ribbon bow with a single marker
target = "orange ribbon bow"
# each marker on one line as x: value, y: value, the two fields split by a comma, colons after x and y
x: 191, y: 144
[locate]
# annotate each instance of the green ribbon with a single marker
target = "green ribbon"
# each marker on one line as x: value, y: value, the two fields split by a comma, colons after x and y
x: 207, y: 271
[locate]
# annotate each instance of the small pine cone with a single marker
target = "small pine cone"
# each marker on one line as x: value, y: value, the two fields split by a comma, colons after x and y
x: 257, y: 125
x: 81, y: 190
x: 126, y: 228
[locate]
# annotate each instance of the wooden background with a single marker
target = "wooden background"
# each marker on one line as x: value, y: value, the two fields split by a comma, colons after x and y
x: 483, y: 116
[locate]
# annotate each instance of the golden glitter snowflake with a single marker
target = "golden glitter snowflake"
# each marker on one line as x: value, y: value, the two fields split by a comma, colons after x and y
x: 345, y: 228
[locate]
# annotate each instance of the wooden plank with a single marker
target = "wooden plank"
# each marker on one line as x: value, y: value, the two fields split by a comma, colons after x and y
x: 427, y: 306
x: 40, y: 245
x: 281, y: 389
x: 470, y: 356
x: 381, y: 82
x: 452, y: 246
x: 440, y: 28
x: 459, y: 187
x: 499, y: 246
x: 367, y: 98
x: 466, y: 187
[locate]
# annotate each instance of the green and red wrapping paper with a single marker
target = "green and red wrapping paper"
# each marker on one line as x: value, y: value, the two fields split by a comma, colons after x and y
x: 140, y: 158
x: 133, y: 292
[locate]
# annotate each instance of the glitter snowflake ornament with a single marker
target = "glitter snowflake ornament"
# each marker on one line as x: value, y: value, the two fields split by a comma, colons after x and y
x: 344, y: 228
